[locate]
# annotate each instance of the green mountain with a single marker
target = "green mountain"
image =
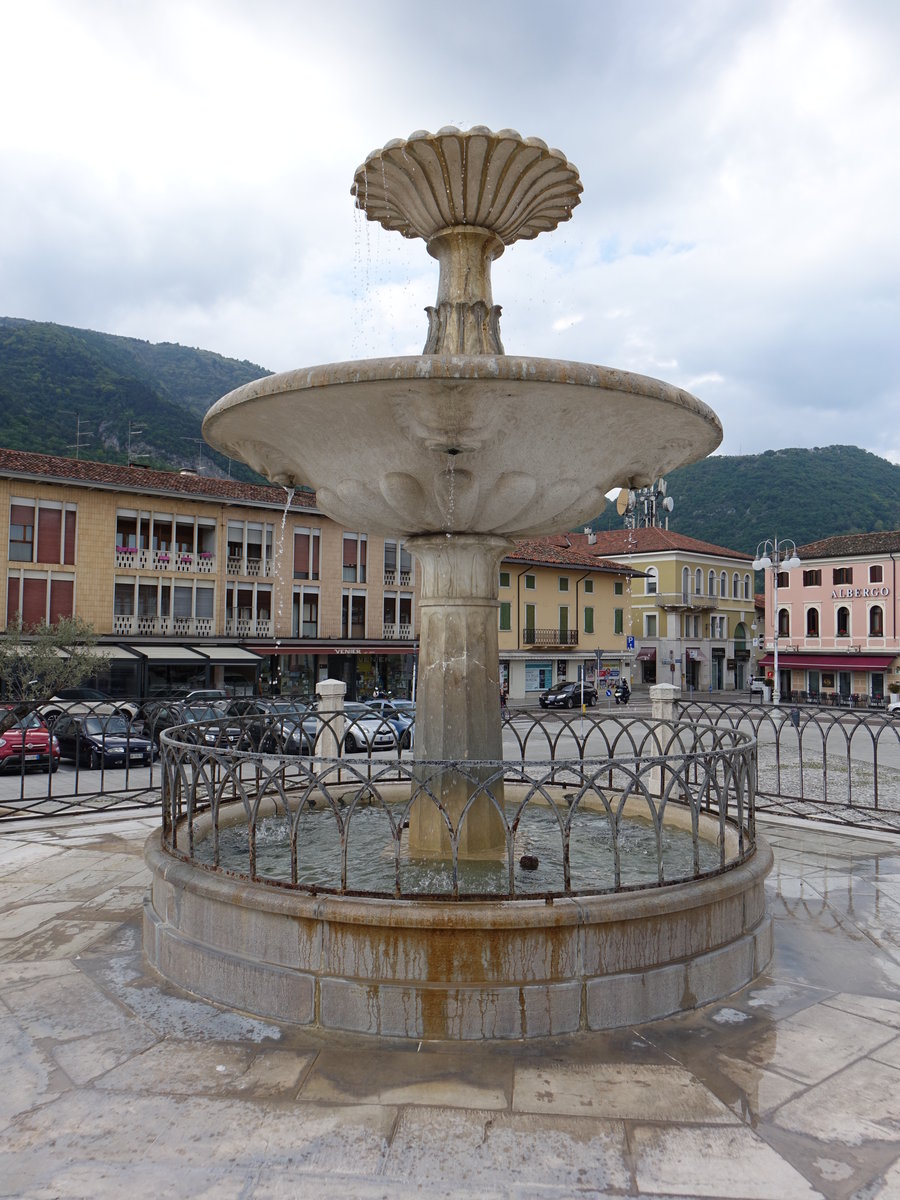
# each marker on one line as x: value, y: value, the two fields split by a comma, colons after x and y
x: 79, y: 393
x: 738, y: 501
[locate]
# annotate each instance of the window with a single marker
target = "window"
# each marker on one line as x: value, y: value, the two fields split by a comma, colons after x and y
x: 876, y: 573
x: 306, y: 553
x: 203, y: 602
x: 588, y: 620
x: 685, y: 585
x: 618, y: 620
x: 698, y: 582
x: 504, y: 579
x: 563, y: 583
x: 530, y: 583
x: 843, y: 622
x: 842, y: 575
x: 618, y: 588
x: 746, y: 587
x: 21, y: 532
x: 650, y: 625
x: 354, y: 559
x: 812, y: 578
x: 723, y: 585
x: 784, y: 579
x: 784, y: 623
x: 812, y: 622
x: 736, y: 586
x: 876, y: 621
x: 711, y: 584
x: 651, y: 583
x: 530, y: 623
x: 505, y: 616
x: 588, y: 587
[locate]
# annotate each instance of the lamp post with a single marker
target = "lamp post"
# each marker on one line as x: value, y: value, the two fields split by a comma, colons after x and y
x: 776, y: 556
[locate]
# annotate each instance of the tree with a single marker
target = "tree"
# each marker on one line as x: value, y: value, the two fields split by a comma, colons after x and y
x: 37, y: 661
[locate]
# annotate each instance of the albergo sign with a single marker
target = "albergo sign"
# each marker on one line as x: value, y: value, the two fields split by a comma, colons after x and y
x: 868, y: 593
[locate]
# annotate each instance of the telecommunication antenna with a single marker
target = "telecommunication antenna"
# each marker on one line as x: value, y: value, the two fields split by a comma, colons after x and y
x: 645, y: 508
x: 133, y: 431
x: 80, y: 433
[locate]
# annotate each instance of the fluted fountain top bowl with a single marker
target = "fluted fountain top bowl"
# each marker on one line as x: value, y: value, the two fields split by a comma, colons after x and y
x: 463, y: 438
x: 513, y: 186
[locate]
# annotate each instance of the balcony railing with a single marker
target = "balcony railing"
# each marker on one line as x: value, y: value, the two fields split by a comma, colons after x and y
x: 394, y: 578
x: 244, y: 627
x: 549, y: 637
x: 399, y: 631
x: 254, y: 568
x: 129, y: 558
x: 146, y: 625
x: 678, y: 601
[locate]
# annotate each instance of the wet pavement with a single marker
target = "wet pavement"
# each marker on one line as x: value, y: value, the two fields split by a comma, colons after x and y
x: 115, y: 1083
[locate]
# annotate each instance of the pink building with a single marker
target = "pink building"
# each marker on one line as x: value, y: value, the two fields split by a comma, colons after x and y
x: 836, y: 620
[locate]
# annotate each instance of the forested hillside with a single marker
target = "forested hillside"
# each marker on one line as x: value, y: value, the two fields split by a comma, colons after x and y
x: 737, y: 501
x: 59, y: 385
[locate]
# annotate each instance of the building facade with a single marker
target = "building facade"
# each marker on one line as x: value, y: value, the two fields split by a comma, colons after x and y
x: 562, y: 617
x: 836, y: 619
x: 193, y: 581
x: 690, y: 616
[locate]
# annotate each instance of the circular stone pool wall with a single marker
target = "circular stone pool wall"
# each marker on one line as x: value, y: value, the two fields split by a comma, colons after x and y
x: 457, y: 970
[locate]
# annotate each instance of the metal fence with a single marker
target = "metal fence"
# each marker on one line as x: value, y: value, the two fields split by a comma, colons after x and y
x: 841, y: 766
x: 674, y: 802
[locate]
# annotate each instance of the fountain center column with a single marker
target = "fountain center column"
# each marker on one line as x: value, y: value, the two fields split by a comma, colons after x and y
x: 464, y: 319
x: 458, y: 690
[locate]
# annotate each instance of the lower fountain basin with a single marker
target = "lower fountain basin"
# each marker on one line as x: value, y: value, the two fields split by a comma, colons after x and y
x: 440, y: 969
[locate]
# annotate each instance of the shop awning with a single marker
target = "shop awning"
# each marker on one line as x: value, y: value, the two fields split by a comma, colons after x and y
x: 646, y: 654
x: 169, y: 654
x: 829, y: 662
x: 228, y: 655
x: 115, y: 653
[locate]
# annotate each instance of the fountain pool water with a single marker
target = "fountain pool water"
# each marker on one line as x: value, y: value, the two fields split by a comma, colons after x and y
x: 459, y: 451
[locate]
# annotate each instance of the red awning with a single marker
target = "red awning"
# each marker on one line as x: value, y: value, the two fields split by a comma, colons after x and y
x: 830, y: 662
x: 646, y: 654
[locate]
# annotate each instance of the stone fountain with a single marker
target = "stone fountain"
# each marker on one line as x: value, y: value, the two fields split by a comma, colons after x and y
x: 460, y: 450
x: 463, y: 448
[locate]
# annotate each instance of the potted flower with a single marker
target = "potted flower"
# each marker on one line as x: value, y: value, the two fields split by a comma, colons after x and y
x: 162, y: 556
x: 205, y: 554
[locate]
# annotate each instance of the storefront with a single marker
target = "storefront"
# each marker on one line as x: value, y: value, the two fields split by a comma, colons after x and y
x: 827, y: 675
x: 366, y: 669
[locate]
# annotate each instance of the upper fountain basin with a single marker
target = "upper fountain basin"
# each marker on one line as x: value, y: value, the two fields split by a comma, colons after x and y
x: 492, y: 444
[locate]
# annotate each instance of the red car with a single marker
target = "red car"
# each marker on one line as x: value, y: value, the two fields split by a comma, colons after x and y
x: 25, y: 741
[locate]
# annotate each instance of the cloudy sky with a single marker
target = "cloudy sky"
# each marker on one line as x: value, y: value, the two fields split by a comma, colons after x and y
x: 180, y: 171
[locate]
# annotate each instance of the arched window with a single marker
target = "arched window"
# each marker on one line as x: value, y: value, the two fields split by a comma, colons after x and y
x: 740, y: 635
x: 685, y: 584
x: 843, y: 622
x: 711, y: 583
x: 876, y: 621
x: 812, y: 622
x: 736, y: 586
x: 698, y: 582
x: 784, y: 622
x: 651, y: 583
x: 746, y: 587
x: 723, y: 585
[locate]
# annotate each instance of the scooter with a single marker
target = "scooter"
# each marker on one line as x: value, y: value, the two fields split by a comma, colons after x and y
x: 622, y: 693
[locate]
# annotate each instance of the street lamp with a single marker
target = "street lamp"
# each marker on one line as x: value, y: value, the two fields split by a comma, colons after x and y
x: 775, y: 556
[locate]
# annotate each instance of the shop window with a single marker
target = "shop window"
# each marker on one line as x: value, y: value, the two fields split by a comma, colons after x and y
x: 876, y: 621
x: 812, y: 622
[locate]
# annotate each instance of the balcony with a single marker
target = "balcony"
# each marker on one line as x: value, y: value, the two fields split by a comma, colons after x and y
x: 245, y: 627
x: 685, y: 602
x: 394, y: 631
x: 252, y: 568
x: 549, y: 637
x: 393, y: 578
x: 129, y: 558
x: 147, y: 625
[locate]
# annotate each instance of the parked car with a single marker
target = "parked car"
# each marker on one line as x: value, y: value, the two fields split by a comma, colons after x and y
x: 365, y: 730
x: 208, y: 723
x: 25, y: 741
x: 207, y: 696
x: 400, y: 715
x: 275, y: 726
x: 568, y: 695
x: 758, y: 684
x: 86, y: 700
x: 93, y: 741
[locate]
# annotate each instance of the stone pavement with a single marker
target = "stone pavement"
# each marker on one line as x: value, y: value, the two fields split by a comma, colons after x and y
x: 115, y: 1084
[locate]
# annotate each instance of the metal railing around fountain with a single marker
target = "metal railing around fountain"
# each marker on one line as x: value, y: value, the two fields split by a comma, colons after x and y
x: 638, y: 804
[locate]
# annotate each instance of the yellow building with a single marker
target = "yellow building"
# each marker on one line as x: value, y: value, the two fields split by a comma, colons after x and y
x: 194, y: 581
x: 692, y: 617
x: 562, y: 612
